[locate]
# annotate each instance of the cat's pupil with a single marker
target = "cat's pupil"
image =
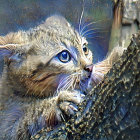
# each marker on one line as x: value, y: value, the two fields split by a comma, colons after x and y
x: 85, y: 49
x: 64, y: 56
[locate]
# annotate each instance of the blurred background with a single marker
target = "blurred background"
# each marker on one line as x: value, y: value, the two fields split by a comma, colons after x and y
x: 96, y: 20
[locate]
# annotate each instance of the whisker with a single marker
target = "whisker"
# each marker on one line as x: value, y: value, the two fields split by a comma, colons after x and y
x: 101, y: 68
x: 64, y: 83
x: 96, y: 37
x: 67, y: 82
x: 74, y: 82
x: 91, y: 24
x: 95, y: 33
x: 71, y: 83
x: 93, y: 29
x: 99, y: 74
x: 99, y: 77
x: 81, y: 17
x: 96, y: 78
x: 67, y: 85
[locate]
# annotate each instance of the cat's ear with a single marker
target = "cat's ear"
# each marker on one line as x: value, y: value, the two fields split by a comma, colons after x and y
x: 11, y: 46
x: 9, y: 51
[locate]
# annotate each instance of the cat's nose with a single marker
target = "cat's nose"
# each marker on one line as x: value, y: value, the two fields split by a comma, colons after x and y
x: 88, y: 68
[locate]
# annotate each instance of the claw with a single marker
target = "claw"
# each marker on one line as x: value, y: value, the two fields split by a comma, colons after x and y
x: 73, y: 107
x: 68, y: 101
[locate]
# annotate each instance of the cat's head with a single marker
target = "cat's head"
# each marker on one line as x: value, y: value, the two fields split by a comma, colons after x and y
x: 52, y: 56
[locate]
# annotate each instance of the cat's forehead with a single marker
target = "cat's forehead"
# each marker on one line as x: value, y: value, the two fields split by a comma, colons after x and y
x: 54, y: 32
x: 58, y: 27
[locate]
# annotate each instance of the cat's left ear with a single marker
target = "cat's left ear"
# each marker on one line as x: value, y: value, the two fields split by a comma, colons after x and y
x: 10, y: 51
x: 12, y: 46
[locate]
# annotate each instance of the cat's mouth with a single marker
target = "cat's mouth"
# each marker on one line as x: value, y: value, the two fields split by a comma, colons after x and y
x: 83, y: 80
x: 91, y: 79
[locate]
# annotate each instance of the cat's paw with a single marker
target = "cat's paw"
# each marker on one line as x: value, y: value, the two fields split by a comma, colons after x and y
x: 59, y: 108
x: 68, y: 101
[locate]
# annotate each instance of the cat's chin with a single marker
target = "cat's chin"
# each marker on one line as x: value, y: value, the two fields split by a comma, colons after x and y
x: 87, y: 84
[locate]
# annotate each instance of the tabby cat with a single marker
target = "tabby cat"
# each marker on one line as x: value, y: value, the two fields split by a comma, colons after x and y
x: 48, y: 69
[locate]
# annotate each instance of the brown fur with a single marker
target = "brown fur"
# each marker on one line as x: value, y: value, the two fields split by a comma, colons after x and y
x: 36, y: 90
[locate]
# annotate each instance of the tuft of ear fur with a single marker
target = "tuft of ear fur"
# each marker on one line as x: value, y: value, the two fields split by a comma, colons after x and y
x: 8, y: 50
x: 11, y: 38
x: 12, y: 43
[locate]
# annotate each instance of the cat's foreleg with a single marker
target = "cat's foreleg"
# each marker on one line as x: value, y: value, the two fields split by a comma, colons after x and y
x: 47, y: 113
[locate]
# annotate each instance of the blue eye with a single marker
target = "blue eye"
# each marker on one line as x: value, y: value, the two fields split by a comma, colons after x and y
x: 64, y: 56
x: 85, y: 49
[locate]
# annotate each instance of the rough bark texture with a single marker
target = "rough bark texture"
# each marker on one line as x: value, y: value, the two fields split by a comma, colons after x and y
x: 130, y: 21
x: 112, y: 109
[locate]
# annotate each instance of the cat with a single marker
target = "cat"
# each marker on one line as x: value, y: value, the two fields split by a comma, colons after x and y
x: 48, y: 69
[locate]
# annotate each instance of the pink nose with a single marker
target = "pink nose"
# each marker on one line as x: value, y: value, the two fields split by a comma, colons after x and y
x: 88, y: 68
